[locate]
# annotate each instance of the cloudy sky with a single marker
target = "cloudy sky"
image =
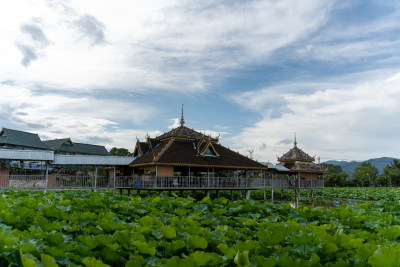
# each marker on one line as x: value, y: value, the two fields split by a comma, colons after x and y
x: 254, y: 71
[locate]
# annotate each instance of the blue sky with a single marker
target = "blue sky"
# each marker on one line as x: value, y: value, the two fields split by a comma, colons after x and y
x: 255, y: 72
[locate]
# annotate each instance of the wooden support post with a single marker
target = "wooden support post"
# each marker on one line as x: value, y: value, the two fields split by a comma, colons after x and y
x: 114, y: 178
x: 241, y: 194
x: 281, y: 193
x: 95, y: 180
x: 298, y: 197
x: 160, y: 193
x: 208, y: 178
x: 194, y: 193
x: 207, y: 193
x: 181, y: 193
x: 312, y: 195
x: 217, y: 193
x: 129, y: 192
x: 148, y: 193
x: 265, y: 195
x: 138, y: 192
x: 272, y: 195
x: 120, y: 191
x: 231, y: 194
x: 47, y: 176
x: 248, y: 196
x: 169, y: 193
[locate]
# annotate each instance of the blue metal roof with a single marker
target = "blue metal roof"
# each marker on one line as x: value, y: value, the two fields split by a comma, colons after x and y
x: 16, y: 154
x: 278, y: 168
x: 54, y: 159
x: 91, y: 160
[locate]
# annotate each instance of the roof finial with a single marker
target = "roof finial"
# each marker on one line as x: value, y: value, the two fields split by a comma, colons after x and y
x: 295, y: 141
x: 182, y: 120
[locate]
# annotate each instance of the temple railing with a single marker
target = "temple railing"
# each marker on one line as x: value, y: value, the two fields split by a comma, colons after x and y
x: 189, y: 182
x: 93, y: 182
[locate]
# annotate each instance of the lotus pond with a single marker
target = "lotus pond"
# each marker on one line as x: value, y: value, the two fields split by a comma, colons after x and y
x: 82, y: 228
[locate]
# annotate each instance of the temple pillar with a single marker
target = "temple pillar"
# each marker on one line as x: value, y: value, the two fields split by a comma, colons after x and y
x: 272, y: 195
x: 248, y: 196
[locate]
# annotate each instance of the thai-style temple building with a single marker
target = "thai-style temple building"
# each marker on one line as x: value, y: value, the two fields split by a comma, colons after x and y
x: 65, y: 146
x: 186, y: 152
x: 301, y: 164
x: 14, y: 139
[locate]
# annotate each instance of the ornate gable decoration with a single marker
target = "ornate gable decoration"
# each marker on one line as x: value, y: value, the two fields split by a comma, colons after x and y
x: 68, y: 141
x: 209, y: 150
x: 3, y: 133
x: 148, y: 141
x: 137, y: 152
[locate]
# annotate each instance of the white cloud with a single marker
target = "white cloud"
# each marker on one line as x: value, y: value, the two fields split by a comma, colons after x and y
x: 358, y: 121
x: 83, y: 118
x: 170, y: 45
x: 175, y: 123
x: 349, y: 51
x: 351, y: 40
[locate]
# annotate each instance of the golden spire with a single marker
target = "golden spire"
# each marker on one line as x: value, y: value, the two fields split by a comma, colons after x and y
x: 295, y: 141
x: 182, y: 120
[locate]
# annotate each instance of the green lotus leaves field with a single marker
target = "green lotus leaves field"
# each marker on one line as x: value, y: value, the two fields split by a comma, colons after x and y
x: 70, y: 228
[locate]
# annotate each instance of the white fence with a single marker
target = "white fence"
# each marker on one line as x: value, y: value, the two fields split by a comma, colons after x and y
x: 62, y: 181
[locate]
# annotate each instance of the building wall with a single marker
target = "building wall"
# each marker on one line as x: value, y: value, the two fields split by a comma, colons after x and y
x: 309, y: 176
x: 52, y: 182
x: 4, y: 179
x: 165, y: 171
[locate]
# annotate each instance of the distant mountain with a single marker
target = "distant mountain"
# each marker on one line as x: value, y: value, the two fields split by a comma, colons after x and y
x: 349, y: 166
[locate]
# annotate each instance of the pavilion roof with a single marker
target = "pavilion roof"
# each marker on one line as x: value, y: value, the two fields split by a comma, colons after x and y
x: 299, y: 166
x: 66, y: 145
x: 184, y: 153
x: 9, y: 137
x: 296, y: 154
x: 182, y: 132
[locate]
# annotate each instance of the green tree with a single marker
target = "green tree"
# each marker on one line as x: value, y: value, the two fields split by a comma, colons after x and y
x: 392, y: 173
x: 119, y: 151
x: 383, y: 180
x: 335, y: 176
x: 365, y: 174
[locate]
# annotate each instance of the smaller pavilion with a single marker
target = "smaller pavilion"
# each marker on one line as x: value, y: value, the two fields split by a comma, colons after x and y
x: 301, y: 164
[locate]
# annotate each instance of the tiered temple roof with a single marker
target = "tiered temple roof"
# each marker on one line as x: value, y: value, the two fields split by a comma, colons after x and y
x: 298, y: 161
x: 183, y: 146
